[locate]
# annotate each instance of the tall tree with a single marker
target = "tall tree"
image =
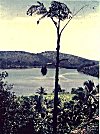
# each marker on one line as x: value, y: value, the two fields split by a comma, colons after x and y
x: 57, y: 12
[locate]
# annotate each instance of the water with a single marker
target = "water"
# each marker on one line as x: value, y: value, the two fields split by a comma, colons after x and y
x: 27, y: 81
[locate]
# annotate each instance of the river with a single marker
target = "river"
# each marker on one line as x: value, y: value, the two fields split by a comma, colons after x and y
x: 27, y: 81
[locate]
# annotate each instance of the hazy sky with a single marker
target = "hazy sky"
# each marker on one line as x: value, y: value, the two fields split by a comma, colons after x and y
x: 20, y: 32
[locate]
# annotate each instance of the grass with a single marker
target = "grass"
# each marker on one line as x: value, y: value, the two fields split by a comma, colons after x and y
x: 65, y: 97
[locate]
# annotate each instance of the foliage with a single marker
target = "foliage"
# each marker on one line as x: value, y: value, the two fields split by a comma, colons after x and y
x: 44, y: 70
x: 56, y: 10
x: 86, y: 108
x: 34, y: 114
x: 14, y: 114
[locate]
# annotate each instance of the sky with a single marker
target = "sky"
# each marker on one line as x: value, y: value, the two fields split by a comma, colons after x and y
x: 19, y: 32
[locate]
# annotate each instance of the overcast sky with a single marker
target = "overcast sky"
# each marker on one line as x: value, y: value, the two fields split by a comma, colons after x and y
x: 20, y: 32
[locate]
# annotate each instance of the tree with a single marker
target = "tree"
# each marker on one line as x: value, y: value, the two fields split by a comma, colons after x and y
x: 44, y: 70
x: 57, y: 12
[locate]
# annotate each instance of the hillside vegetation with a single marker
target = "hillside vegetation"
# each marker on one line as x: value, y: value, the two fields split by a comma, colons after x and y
x: 90, y: 70
x: 21, y: 59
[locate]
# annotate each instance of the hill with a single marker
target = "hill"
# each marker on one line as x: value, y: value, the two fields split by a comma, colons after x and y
x: 90, y: 70
x: 21, y: 59
x: 68, y: 61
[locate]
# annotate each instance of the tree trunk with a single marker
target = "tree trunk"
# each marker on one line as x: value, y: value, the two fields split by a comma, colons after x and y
x: 55, y: 112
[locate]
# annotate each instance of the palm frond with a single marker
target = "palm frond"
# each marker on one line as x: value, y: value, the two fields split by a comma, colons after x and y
x: 37, y: 9
x: 59, y: 10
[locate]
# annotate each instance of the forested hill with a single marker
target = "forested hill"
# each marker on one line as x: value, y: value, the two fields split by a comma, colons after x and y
x: 21, y: 59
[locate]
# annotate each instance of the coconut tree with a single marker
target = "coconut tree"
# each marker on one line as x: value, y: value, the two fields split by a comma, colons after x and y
x: 57, y: 12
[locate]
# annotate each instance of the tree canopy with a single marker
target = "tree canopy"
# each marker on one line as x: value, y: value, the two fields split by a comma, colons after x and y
x: 56, y: 10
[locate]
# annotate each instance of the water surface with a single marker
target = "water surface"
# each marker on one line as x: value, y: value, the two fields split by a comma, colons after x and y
x: 27, y: 81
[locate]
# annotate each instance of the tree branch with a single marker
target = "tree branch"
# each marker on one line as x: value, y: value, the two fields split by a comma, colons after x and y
x: 41, y: 17
x: 55, y: 23
x: 72, y: 18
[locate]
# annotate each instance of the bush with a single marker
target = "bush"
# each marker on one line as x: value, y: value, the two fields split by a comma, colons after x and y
x: 34, y: 114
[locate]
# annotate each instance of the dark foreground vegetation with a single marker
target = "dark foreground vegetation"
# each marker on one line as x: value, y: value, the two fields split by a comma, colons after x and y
x: 77, y: 114
x: 21, y: 59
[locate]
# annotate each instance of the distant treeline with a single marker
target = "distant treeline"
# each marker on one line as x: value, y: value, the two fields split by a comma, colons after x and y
x: 21, y: 59
x: 90, y: 70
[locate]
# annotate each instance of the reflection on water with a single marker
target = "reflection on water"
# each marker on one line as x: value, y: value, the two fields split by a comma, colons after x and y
x: 27, y: 81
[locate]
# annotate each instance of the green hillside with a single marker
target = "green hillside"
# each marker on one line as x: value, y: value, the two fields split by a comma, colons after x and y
x: 21, y: 59
x: 90, y: 70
